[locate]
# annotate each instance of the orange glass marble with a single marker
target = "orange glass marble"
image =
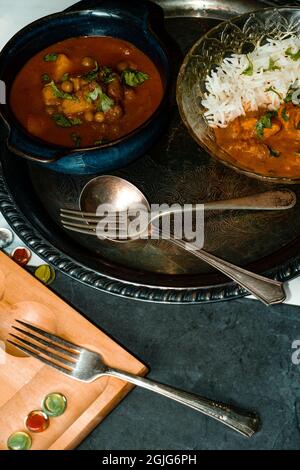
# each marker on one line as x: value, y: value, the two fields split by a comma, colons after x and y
x: 37, y: 421
x: 21, y: 255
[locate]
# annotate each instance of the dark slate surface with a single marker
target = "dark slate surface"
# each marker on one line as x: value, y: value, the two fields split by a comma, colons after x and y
x: 237, y: 352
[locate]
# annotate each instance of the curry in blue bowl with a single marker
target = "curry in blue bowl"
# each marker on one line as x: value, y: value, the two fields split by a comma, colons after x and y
x: 87, y: 89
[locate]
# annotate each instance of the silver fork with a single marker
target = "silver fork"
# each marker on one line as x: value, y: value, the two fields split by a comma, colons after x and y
x: 269, y: 291
x: 85, y: 365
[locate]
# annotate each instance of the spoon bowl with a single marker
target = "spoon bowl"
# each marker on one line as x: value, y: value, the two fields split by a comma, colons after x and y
x: 116, y: 195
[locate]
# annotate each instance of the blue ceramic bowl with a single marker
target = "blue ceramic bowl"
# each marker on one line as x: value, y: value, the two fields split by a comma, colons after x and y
x: 136, y: 21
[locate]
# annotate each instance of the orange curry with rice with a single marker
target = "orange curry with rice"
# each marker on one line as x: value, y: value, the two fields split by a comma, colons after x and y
x: 266, y: 142
x: 86, y: 91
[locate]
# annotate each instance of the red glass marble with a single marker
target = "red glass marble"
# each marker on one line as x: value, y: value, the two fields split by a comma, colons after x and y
x: 37, y: 421
x: 21, y: 256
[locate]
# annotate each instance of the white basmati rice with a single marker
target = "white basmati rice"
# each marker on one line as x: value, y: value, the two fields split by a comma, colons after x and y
x: 230, y: 92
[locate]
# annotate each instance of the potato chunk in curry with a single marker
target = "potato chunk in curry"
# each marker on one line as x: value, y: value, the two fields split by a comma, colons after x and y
x: 63, y: 65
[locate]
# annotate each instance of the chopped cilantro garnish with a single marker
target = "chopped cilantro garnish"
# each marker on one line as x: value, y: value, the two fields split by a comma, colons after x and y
x: 271, y: 88
x: 105, y: 103
x: 106, y: 75
x: 289, y: 96
x: 249, y: 70
x: 65, y: 77
x: 272, y: 66
x: 62, y: 121
x: 46, y: 78
x: 293, y: 56
x: 92, y: 74
x: 50, y: 57
x: 61, y: 94
x: 93, y: 95
x: 285, y: 115
x: 274, y: 153
x: 134, y: 78
x: 290, y: 92
x: 76, y: 139
x: 75, y: 121
x: 265, y: 122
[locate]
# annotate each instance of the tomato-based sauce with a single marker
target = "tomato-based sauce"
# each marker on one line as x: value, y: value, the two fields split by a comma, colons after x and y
x: 265, y: 142
x: 86, y: 91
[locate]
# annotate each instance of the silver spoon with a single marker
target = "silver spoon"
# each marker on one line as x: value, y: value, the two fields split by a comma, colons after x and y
x: 121, y: 195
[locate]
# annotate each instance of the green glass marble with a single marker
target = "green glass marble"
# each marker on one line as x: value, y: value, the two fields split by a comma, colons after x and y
x: 54, y: 404
x: 19, y: 441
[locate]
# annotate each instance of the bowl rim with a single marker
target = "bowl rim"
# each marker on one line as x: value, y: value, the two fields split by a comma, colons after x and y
x: 14, y: 126
x: 244, y: 171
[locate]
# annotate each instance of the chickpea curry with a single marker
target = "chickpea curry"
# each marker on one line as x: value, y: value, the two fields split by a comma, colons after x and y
x: 266, y: 142
x: 86, y: 91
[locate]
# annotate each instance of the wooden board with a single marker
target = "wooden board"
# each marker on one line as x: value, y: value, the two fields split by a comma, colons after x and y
x: 24, y: 381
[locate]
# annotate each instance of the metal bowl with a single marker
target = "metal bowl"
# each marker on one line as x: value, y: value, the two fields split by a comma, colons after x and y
x: 238, y: 36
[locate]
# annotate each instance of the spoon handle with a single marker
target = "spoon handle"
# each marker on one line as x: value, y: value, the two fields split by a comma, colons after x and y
x: 270, y: 200
x: 270, y: 292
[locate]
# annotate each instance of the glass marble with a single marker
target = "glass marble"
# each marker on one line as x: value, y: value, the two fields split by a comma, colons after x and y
x: 45, y: 274
x: 21, y: 255
x: 54, y: 404
x: 6, y: 238
x: 37, y: 421
x: 19, y: 440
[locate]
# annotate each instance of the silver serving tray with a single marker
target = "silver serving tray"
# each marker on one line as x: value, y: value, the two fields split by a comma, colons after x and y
x: 175, y: 170
x: 215, y: 9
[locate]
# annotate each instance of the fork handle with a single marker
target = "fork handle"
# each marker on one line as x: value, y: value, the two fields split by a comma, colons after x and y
x: 269, y: 291
x: 241, y: 421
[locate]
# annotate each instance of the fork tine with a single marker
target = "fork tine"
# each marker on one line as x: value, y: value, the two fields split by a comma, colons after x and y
x: 112, y: 231
x: 51, y: 336
x: 87, y: 231
x: 40, y: 358
x: 93, y: 224
x: 73, y: 223
x: 47, y: 343
x: 81, y: 230
x: 54, y: 356
x: 88, y: 214
x: 96, y: 220
x: 78, y: 212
